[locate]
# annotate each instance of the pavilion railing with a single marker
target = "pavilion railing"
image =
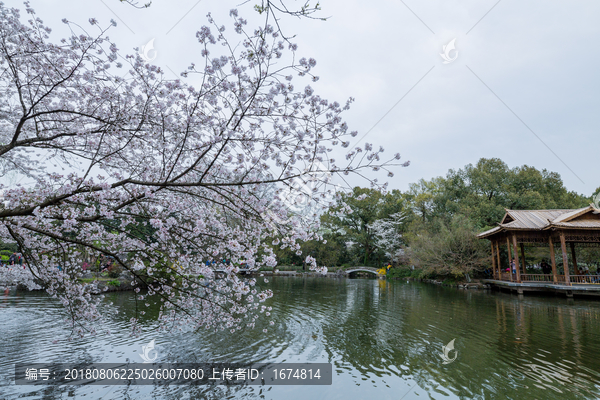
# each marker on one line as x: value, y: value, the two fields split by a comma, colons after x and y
x: 583, y: 279
x: 537, y: 278
x: 505, y: 276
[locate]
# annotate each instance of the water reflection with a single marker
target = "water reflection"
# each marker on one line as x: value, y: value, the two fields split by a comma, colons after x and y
x: 383, y: 338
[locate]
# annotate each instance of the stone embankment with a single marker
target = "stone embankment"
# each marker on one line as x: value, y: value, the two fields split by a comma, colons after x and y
x: 11, y: 276
x: 4, y: 286
x: 296, y: 273
x: 459, y: 285
x: 99, y: 285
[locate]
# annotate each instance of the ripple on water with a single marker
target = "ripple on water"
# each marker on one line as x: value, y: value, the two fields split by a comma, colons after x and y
x: 382, y: 338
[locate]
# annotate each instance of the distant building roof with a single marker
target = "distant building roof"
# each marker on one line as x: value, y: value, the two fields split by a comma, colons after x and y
x: 537, y: 220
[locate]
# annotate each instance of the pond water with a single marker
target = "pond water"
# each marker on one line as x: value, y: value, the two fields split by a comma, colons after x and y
x: 384, y: 339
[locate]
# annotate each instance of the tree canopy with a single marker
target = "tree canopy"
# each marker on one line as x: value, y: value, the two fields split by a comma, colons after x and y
x: 483, y: 191
x: 354, y: 213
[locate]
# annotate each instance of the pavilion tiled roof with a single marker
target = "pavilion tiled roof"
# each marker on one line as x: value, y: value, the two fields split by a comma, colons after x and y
x: 545, y: 219
x: 531, y: 219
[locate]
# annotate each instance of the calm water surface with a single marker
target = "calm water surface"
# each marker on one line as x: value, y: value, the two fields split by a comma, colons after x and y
x: 383, y: 338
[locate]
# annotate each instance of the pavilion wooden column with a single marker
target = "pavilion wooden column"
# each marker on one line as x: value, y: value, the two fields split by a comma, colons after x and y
x: 553, y: 260
x: 498, y: 258
x: 493, y: 261
x: 523, y: 258
x: 577, y: 272
x: 563, y: 245
x: 510, y: 273
x: 514, y: 237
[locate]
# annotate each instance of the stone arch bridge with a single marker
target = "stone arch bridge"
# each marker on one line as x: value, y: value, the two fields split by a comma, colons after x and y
x: 362, y: 269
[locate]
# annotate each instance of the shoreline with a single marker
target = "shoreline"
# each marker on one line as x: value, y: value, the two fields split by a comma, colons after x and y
x: 103, y: 284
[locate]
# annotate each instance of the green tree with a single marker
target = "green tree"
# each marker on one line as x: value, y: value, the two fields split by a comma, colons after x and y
x: 595, y: 199
x: 329, y: 252
x: 353, y: 214
x: 448, y: 249
x: 421, y: 197
x: 483, y: 191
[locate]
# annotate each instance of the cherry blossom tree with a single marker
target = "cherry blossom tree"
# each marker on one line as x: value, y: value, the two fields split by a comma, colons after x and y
x: 161, y: 175
x: 388, y: 237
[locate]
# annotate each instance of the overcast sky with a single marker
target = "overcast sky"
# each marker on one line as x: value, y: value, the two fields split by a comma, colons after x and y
x: 524, y: 86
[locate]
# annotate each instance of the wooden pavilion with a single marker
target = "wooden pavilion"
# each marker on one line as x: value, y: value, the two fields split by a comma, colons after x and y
x: 548, y: 228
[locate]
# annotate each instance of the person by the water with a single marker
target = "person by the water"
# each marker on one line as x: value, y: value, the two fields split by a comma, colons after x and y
x: 546, y: 268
